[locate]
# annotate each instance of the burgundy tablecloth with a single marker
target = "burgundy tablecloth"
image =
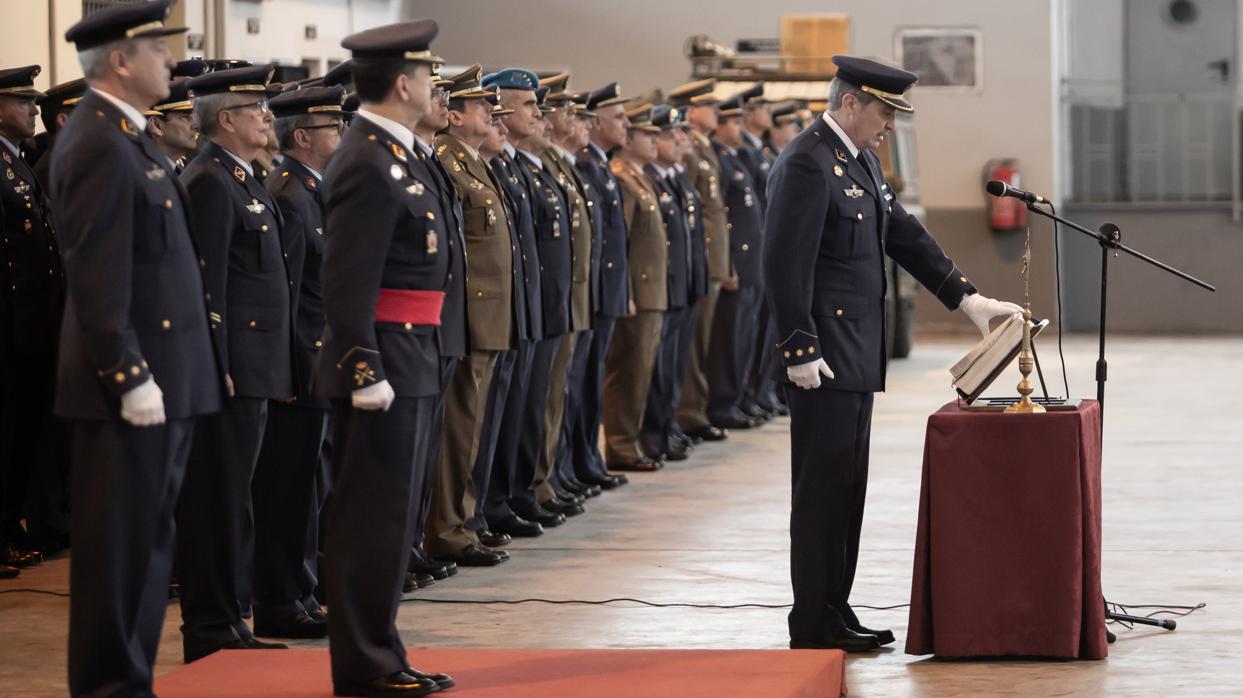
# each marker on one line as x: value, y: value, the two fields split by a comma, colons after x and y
x: 1008, y: 551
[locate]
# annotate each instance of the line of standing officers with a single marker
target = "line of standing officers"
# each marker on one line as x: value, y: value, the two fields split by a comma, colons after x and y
x: 393, y: 303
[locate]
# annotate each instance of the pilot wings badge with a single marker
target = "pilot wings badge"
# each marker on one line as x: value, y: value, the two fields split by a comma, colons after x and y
x: 853, y: 192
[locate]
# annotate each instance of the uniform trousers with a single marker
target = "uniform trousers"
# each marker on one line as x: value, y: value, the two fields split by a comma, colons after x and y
x: 430, y: 470
x: 379, y: 458
x: 454, y: 497
x: 286, y: 494
x: 588, y: 461
x: 482, y: 472
x: 509, y: 432
x: 546, y: 480
x: 693, y: 407
x: 532, y: 421
x: 660, y: 415
x: 628, y: 375
x: 215, y: 522
x: 572, y: 422
x: 829, y: 436
x: 733, y: 350
x: 125, y: 484
x: 767, y: 369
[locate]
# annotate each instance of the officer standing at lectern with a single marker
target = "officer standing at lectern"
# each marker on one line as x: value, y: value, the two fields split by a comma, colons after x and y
x: 831, y: 218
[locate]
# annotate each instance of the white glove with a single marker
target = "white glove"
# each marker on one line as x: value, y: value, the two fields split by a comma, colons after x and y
x: 143, y: 406
x: 981, y: 310
x: 373, y: 397
x: 807, y: 376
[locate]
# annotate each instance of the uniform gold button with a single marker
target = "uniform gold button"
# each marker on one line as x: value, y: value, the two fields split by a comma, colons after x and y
x: 811, y: 350
x: 431, y: 216
x: 840, y: 312
x: 798, y: 352
x: 253, y: 324
x: 119, y: 377
x: 609, y: 265
x: 168, y: 203
x: 409, y: 326
x: 318, y: 344
x: 962, y: 279
x: 166, y: 324
x: 479, y: 294
x: 264, y: 227
x: 859, y: 216
x: 207, y: 296
x: 643, y: 275
x: 787, y: 354
x: 745, y: 247
x: 135, y: 370
x: 488, y: 201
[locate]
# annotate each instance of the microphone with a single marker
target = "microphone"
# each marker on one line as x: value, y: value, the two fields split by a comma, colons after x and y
x: 999, y: 188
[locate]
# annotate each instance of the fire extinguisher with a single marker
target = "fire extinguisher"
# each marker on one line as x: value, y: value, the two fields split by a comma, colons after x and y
x: 1005, y: 213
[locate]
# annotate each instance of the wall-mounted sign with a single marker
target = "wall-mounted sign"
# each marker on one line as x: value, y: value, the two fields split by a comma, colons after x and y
x: 945, y: 58
x: 311, y: 31
x: 252, y: 25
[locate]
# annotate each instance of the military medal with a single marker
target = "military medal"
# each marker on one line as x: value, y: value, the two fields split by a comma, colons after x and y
x: 491, y: 217
x: 748, y: 201
x: 764, y: 165
x: 416, y: 188
x: 395, y: 171
x: 9, y: 174
x: 853, y: 192
x: 556, y: 228
x: 665, y: 197
x: 610, y: 185
x: 837, y: 170
x: 433, y: 242
x: 703, y: 165
x: 255, y: 207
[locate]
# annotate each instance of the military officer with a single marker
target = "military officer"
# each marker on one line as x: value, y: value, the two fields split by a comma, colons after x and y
x: 31, y: 297
x: 237, y: 227
x: 633, y: 352
x: 787, y: 123
x: 291, y: 469
x: 831, y: 219
x: 659, y: 436
x: 136, y: 366
x: 173, y: 127
x: 757, y: 118
x: 699, y: 272
x: 569, y: 135
x: 54, y: 110
x: 489, y: 297
x: 386, y: 270
x: 607, y: 131
x: 734, y: 329
x: 528, y: 133
x: 703, y: 169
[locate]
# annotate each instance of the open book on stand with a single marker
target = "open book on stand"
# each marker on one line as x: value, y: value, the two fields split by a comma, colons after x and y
x: 977, y: 370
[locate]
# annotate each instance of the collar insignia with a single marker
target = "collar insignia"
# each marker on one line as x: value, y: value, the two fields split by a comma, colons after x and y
x: 7, y: 158
x: 840, y: 155
x: 398, y: 152
x: 239, y: 173
x: 255, y: 207
x: 310, y: 183
x: 130, y: 129
x: 319, y: 231
x: 853, y: 192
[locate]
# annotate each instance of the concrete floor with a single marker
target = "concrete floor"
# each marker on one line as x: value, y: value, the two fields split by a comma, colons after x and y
x: 713, y: 530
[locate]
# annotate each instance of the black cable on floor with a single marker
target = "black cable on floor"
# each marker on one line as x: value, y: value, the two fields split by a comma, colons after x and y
x: 1171, y: 610
x: 653, y: 604
x: 63, y: 594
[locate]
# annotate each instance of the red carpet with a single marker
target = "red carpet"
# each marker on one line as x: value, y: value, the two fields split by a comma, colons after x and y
x: 530, y: 673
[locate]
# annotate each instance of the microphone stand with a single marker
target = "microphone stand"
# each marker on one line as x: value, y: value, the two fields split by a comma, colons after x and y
x: 1110, y: 238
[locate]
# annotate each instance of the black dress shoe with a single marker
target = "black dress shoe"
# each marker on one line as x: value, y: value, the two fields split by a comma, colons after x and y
x: 7, y: 572
x: 737, y: 420
x: 442, y: 680
x: 542, y: 516
x: 300, y: 625
x: 494, y: 539
x: 884, y: 637
x: 474, y: 556
x: 643, y: 465
x: 582, y: 489
x: 438, y: 570
x: 319, y: 614
x: 193, y: 654
x: 609, y: 482
x: 518, y: 527
x: 708, y: 433
x: 14, y: 557
x: 754, y: 411
x: 416, y: 580
x: 677, y: 451
x: 396, y: 684
x: 845, y: 639
x: 557, y: 506
x: 569, y: 497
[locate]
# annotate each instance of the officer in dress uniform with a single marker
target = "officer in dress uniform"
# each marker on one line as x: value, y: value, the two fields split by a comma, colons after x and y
x: 734, y: 329
x: 386, y: 269
x: 607, y: 131
x: 31, y: 298
x: 237, y: 227
x: 699, y: 272
x: 288, y: 477
x: 831, y: 220
x: 54, y: 110
x: 489, y: 297
x: 136, y: 365
x: 634, y: 350
x: 703, y: 170
x: 569, y: 134
x: 172, y: 125
x: 659, y: 435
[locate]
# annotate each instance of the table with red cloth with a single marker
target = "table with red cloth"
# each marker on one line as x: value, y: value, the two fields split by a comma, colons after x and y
x: 1008, y: 549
